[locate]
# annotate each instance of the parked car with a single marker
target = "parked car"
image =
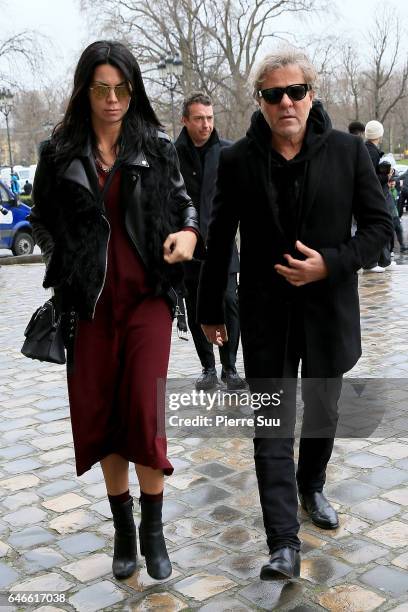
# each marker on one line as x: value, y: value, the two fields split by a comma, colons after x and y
x: 15, y: 230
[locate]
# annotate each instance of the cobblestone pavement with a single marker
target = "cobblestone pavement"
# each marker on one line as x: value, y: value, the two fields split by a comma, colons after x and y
x: 56, y: 530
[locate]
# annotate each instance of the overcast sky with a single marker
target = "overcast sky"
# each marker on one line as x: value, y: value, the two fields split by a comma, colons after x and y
x: 62, y: 23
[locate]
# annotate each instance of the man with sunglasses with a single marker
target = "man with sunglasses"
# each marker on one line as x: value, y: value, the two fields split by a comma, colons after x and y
x: 298, y: 294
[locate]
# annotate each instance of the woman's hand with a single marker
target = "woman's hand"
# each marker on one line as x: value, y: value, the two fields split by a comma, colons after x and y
x: 179, y: 246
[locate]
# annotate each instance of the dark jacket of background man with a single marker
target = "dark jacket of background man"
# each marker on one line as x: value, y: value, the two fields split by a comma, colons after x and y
x: 200, y: 176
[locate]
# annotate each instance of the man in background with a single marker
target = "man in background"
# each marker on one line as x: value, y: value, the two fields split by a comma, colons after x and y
x: 198, y: 147
x: 27, y: 188
x: 374, y: 132
x: 357, y: 128
x: 14, y: 184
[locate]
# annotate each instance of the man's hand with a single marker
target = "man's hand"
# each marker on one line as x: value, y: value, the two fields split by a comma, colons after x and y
x: 216, y: 334
x: 299, y: 273
x: 179, y: 246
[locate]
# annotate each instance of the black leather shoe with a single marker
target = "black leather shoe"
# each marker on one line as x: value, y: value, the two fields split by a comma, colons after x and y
x: 233, y: 380
x: 323, y: 515
x: 283, y: 563
x: 208, y: 380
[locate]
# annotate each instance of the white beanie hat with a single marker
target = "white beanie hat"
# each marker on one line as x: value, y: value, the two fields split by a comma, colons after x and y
x: 373, y: 130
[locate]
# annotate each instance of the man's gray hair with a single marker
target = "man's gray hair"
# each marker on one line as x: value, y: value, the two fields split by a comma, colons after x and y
x: 280, y: 59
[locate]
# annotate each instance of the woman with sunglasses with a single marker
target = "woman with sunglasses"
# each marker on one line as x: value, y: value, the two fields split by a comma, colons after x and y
x: 110, y: 216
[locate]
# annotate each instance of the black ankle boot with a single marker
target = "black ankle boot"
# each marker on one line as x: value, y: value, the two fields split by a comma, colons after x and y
x: 283, y: 563
x: 152, y: 544
x: 125, y: 546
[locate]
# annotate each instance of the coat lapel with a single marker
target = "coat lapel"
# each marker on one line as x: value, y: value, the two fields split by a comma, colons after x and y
x: 76, y: 173
x: 208, y: 185
x: 82, y: 171
x: 138, y: 159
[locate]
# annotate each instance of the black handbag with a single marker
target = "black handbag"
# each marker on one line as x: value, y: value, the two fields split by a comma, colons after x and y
x: 43, y: 335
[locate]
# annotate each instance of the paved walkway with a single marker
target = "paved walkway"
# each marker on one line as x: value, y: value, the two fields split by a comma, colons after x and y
x: 56, y: 530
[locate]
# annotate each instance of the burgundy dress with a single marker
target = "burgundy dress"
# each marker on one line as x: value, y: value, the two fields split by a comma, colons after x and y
x: 119, y: 357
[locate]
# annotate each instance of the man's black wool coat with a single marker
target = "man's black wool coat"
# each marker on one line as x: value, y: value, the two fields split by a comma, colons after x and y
x: 338, y: 181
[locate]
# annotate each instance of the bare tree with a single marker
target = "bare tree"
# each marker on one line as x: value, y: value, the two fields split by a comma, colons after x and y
x: 24, y: 48
x: 352, y: 70
x: 386, y: 80
x: 34, y: 116
x: 401, y: 129
x: 323, y: 52
x: 218, y: 41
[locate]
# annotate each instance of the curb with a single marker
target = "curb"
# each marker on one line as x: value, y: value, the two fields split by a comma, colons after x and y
x: 21, y: 259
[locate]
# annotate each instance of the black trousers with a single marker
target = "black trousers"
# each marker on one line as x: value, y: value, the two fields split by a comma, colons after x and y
x: 205, y: 351
x: 274, y: 456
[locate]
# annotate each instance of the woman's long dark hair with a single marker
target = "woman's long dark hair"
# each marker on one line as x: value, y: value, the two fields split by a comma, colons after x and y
x: 139, y: 125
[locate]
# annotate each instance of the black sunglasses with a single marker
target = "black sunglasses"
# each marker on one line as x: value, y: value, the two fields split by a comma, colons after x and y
x: 273, y: 95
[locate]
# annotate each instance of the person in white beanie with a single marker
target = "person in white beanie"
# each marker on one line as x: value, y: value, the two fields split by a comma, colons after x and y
x: 374, y: 132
